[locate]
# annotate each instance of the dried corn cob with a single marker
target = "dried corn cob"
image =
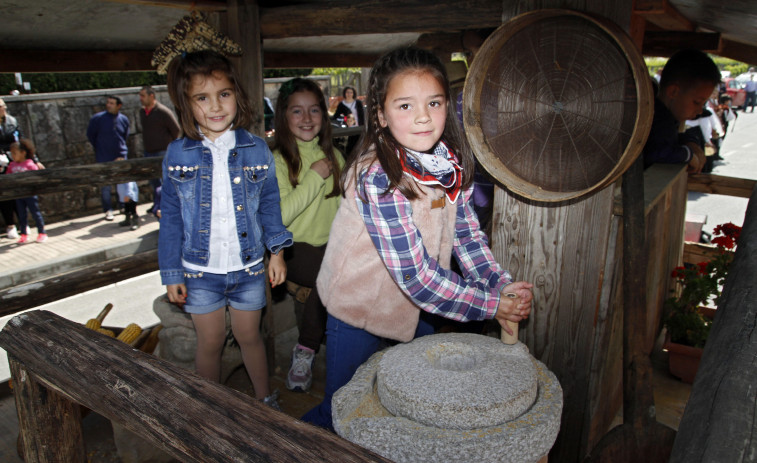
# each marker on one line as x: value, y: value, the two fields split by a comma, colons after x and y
x: 106, y: 332
x: 130, y: 333
x: 95, y: 323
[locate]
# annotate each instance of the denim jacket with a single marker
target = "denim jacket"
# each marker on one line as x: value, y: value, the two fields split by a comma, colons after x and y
x: 185, y: 204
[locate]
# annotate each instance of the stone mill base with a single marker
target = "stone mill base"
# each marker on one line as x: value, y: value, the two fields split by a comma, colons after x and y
x: 360, y: 417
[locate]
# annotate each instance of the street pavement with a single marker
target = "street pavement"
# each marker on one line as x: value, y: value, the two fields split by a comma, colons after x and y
x: 75, y: 243
x: 739, y: 151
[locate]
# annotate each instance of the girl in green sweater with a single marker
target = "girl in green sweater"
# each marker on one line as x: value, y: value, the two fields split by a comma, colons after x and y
x: 308, y: 168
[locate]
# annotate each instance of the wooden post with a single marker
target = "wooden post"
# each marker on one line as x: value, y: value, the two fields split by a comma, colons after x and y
x: 49, y: 424
x: 189, y: 417
x: 720, y: 420
x: 568, y: 252
x: 244, y: 28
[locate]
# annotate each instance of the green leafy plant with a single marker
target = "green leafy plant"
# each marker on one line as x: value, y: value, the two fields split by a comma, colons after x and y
x: 696, y: 286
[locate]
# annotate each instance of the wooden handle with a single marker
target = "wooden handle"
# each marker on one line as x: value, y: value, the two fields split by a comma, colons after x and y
x: 508, y: 339
x: 104, y: 312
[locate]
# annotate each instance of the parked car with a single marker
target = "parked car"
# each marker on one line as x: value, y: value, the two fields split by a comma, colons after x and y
x: 735, y: 90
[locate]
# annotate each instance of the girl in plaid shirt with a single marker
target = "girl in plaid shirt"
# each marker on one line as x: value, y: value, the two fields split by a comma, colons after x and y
x: 406, y: 211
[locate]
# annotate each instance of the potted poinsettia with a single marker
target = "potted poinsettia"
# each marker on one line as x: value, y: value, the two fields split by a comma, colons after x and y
x: 686, y: 317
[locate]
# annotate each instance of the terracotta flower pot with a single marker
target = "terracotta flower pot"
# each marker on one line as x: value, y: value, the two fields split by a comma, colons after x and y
x: 683, y: 361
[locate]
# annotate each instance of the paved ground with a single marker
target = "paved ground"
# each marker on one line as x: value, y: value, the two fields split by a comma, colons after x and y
x: 739, y: 151
x: 74, y: 244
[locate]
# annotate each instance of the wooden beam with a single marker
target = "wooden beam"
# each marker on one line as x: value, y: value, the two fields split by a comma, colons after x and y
x: 243, y: 24
x: 662, y: 14
x: 189, y: 5
x: 74, y: 60
x: 693, y: 253
x: 738, y: 51
x: 721, y: 185
x: 277, y: 60
x: 63, y: 179
x: 192, y: 419
x: 665, y: 43
x: 36, y: 293
x: 49, y: 424
x: 377, y: 16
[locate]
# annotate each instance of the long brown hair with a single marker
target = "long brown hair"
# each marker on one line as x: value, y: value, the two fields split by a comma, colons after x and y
x: 205, y: 63
x: 379, y: 142
x: 285, y: 141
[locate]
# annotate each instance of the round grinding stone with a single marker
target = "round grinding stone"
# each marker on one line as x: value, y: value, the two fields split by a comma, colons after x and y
x: 457, y: 381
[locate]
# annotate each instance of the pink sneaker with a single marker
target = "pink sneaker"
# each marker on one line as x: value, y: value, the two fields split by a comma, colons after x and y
x: 42, y: 237
x: 23, y: 239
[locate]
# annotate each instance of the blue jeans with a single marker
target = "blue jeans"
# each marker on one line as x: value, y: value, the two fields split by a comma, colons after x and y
x: 750, y: 100
x: 105, y: 192
x: 347, y: 348
x: 31, y: 204
x: 155, y: 182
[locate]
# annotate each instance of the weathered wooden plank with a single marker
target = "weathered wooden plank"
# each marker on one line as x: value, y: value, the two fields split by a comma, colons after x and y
x: 34, y: 294
x: 665, y: 43
x: 721, y: 185
x: 665, y: 198
x: 68, y: 60
x: 59, y: 179
x: 720, y: 420
x: 49, y: 424
x: 192, y: 419
x: 244, y: 28
x: 377, y: 17
x: 562, y: 249
x: 62, y: 179
x: 693, y: 253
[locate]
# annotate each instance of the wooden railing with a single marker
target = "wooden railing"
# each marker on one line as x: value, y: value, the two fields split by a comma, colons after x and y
x: 58, y: 365
x: 61, y: 179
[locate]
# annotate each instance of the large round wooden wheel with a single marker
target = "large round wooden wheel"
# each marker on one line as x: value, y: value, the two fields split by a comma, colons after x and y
x: 557, y: 104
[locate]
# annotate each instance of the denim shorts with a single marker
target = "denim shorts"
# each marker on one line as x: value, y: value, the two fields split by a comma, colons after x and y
x: 241, y: 290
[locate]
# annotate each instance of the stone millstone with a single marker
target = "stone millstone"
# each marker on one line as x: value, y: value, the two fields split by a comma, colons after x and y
x: 459, y: 381
x: 360, y: 417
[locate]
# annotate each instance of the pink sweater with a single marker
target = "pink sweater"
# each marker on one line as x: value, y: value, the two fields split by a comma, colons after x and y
x: 16, y: 167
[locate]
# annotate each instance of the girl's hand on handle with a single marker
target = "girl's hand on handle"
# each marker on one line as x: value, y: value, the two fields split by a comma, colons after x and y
x: 177, y: 294
x: 277, y: 269
x: 322, y: 167
x: 515, y: 308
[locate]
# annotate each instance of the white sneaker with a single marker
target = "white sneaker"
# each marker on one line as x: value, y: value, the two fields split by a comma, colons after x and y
x: 300, y: 375
x: 109, y: 216
x: 12, y: 233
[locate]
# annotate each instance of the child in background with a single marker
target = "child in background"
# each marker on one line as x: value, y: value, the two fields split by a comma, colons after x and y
x: 128, y: 194
x: 687, y: 81
x: 219, y: 212
x: 22, y: 152
x: 308, y: 169
x: 406, y: 211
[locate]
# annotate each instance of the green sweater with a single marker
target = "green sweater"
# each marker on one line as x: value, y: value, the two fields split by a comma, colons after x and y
x: 305, y: 211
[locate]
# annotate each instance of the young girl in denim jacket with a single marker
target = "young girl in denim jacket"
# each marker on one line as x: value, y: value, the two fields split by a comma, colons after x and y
x: 308, y: 168
x: 406, y: 211
x: 219, y: 213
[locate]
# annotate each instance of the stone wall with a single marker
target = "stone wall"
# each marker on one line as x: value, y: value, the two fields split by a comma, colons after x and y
x: 57, y: 123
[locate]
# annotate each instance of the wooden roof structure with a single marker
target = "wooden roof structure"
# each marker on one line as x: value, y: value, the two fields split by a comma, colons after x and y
x: 120, y: 35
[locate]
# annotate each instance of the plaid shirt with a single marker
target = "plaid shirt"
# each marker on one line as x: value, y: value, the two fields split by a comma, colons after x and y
x: 437, y: 290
